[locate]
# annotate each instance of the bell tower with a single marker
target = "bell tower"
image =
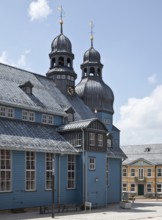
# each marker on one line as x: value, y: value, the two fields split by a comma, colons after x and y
x: 61, y: 62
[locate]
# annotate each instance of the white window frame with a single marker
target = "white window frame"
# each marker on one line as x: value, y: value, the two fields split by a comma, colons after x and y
x: 159, y: 172
x: 71, y: 172
x: 100, y: 140
x: 28, y: 115
x: 92, y: 163
x: 58, y: 77
x: 78, y: 140
x: 132, y: 187
x: 5, y: 171
x: 47, y: 119
x: 124, y: 187
x: 159, y: 187
x: 30, y: 171
x: 6, y: 112
x: 132, y: 172
x: 124, y: 172
x: 92, y: 139
x: 149, y: 172
x: 141, y: 173
x: 149, y: 187
x: 49, y: 169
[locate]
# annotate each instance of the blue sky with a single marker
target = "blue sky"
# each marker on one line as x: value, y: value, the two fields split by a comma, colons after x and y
x: 128, y: 35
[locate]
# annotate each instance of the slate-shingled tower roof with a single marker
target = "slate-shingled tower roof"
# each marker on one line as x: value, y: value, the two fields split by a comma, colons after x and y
x: 92, y: 89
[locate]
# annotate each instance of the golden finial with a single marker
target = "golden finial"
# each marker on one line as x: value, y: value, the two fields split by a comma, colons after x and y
x: 61, y: 20
x: 91, y: 36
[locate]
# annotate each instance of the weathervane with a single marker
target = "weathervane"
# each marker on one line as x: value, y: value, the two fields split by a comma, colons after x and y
x: 61, y: 20
x: 91, y: 37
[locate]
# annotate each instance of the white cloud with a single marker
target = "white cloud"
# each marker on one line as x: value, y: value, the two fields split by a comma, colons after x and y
x: 152, y: 79
x: 21, y: 62
x: 39, y: 9
x: 4, y: 58
x: 141, y: 119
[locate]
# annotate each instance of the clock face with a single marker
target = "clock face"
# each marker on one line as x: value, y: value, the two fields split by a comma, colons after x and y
x: 70, y: 90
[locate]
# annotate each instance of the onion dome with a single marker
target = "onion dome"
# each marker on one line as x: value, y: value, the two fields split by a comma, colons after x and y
x: 61, y: 44
x: 91, y: 56
x: 96, y: 94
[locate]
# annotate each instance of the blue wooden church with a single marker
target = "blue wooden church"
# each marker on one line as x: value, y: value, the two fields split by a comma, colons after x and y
x: 52, y: 131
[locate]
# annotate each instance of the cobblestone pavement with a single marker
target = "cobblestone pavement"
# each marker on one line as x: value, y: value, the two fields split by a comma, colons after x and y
x: 141, y: 210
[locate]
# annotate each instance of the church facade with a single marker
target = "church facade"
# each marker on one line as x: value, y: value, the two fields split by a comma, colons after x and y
x: 55, y: 133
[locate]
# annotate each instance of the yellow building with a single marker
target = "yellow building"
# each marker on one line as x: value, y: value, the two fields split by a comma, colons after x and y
x: 142, y: 170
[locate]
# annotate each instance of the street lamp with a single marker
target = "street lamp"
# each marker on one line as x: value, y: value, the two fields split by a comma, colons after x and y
x: 53, y: 197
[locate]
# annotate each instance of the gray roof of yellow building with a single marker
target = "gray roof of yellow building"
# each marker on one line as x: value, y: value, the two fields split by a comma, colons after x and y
x: 150, y: 152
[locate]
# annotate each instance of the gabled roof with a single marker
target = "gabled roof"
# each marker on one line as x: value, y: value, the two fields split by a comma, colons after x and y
x: 28, y: 136
x: 78, y: 125
x: 45, y: 97
x: 141, y: 161
x: 149, y: 152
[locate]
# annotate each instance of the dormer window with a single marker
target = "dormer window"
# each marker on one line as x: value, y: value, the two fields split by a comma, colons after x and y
x: 70, y: 114
x: 27, y: 87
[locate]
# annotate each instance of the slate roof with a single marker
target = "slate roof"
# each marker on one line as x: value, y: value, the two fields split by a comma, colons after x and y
x: 76, y: 125
x: 44, y: 98
x: 149, y: 152
x: 28, y: 136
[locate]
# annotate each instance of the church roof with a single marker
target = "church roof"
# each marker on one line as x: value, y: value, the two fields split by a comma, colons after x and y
x: 149, y: 152
x: 45, y: 96
x: 28, y: 136
x: 76, y: 125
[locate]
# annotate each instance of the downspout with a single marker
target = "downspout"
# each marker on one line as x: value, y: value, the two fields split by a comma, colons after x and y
x: 83, y: 165
x: 155, y: 182
x: 59, y: 202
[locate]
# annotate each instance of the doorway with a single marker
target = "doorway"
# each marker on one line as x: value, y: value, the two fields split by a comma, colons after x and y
x: 140, y: 189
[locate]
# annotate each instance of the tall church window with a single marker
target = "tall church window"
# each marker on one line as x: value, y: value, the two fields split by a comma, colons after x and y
x: 91, y: 139
x: 5, y: 171
x: 49, y: 167
x: 61, y: 61
x: 100, y: 140
x: 71, y: 171
x: 30, y: 171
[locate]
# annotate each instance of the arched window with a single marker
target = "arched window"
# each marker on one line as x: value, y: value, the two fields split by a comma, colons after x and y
x: 61, y: 61
x: 91, y: 71
x: 68, y: 62
x: 53, y: 62
x: 98, y: 72
x: 85, y: 71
